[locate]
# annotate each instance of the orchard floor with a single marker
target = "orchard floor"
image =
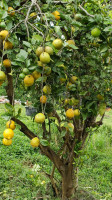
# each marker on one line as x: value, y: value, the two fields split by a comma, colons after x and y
x: 22, y: 168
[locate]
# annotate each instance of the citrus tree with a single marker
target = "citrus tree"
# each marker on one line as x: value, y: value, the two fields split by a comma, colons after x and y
x: 58, y: 54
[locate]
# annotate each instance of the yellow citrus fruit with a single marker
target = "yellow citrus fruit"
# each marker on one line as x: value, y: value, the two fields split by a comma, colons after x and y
x: 47, y: 89
x: 7, y: 45
x: 29, y: 80
x: 39, y: 50
x: 2, y: 76
x: 8, y: 133
x: 45, y: 57
x: 7, y: 63
x: 70, y: 42
x: 73, y: 79
x: 76, y: 112
x: 39, y: 118
x: 7, y: 142
x: 100, y: 97
x: 66, y: 101
x: 4, y: 34
x: 33, y: 15
x: 40, y: 64
x: 56, y: 14
x: 35, y: 142
x: 11, y: 124
x: 49, y: 50
x: 36, y: 75
x: 11, y: 11
x: 63, y: 80
x: 57, y: 43
x: 70, y: 125
x: 70, y: 113
x: 95, y: 32
x: 43, y: 99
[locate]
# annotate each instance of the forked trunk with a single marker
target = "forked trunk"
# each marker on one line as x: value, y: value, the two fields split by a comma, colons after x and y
x: 69, y: 182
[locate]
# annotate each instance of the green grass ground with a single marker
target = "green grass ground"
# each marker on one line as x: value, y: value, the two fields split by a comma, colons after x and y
x: 22, y: 167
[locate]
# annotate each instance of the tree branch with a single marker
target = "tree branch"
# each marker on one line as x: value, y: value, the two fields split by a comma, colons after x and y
x: 85, y: 11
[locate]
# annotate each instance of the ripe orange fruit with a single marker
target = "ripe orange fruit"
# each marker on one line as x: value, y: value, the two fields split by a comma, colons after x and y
x: 2, y: 76
x: 7, y: 45
x: 95, y: 32
x: 36, y: 75
x: 56, y: 14
x: 70, y: 113
x: 39, y: 118
x: 45, y: 57
x: 29, y: 80
x: 7, y: 63
x: 76, y: 112
x: 11, y: 124
x: 49, y: 50
x: 73, y: 79
x: 4, y: 34
x: 11, y: 11
x: 35, y: 142
x: 8, y: 133
x: 43, y: 99
x: 39, y: 50
x: 7, y: 142
x: 57, y: 43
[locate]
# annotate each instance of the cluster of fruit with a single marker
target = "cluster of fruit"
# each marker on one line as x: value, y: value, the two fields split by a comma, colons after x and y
x: 4, y: 34
x: 9, y: 133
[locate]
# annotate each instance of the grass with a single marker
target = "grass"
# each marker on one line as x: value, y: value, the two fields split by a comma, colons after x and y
x: 22, y: 167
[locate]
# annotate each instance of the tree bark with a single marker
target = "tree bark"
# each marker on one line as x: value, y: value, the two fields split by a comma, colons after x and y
x: 69, y: 182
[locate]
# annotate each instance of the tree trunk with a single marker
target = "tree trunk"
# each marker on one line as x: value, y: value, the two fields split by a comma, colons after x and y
x: 69, y: 182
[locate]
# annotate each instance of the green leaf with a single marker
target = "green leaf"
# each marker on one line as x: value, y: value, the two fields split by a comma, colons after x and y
x: 18, y: 113
x: 27, y: 44
x: 44, y: 142
x: 3, y: 14
x: 72, y: 46
x: 22, y: 55
x: 108, y: 29
x: 32, y: 68
x: 38, y: 38
x: 9, y: 107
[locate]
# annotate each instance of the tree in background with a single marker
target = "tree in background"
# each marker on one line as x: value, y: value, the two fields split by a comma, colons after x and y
x: 57, y: 53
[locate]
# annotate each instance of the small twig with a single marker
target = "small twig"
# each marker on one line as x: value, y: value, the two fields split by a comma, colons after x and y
x: 26, y: 19
x: 35, y: 28
x: 85, y: 11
